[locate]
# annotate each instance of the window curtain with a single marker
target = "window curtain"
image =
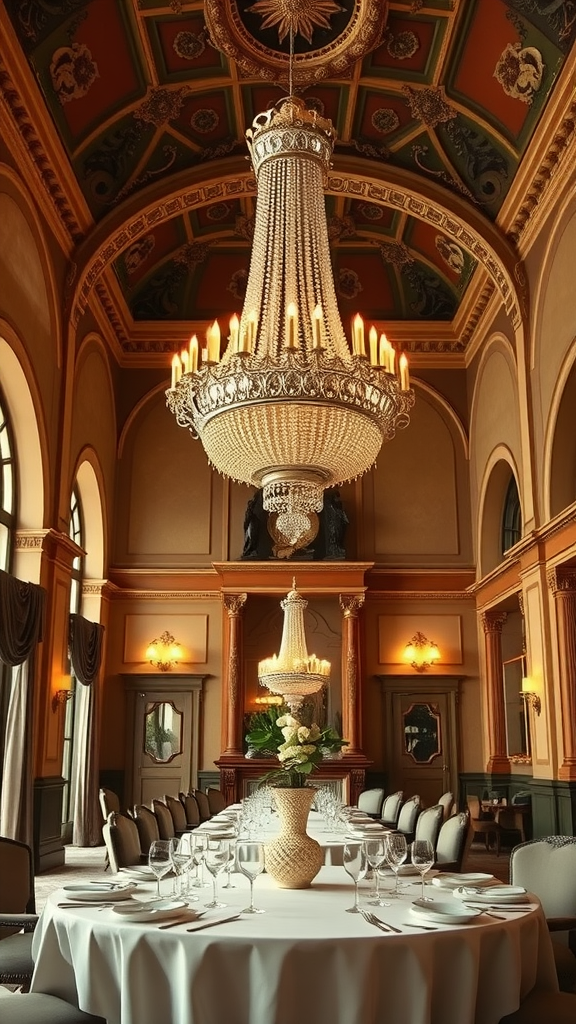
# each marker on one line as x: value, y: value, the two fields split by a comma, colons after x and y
x: 21, y: 629
x: 86, y: 655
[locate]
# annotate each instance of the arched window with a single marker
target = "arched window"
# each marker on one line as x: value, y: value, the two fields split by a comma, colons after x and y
x: 511, y: 517
x: 76, y: 533
x: 7, y: 488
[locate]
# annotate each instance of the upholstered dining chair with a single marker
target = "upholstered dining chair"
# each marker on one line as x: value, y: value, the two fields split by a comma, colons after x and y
x: 191, y: 810
x: 122, y: 841
x: 370, y: 802
x: 147, y: 826
x: 203, y: 805
x: 391, y: 808
x: 454, y: 838
x: 38, y: 1008
x: 486, y: 826
x: 109, y: 802
x: 408, y: 817
x: 547, y: 867
x: 174, y: 805
x: 17, y: 913
x: 164, y: 819
x: 216, y: 800
x: 542, y: 1007
x: 428, y: 824
x: 446, y: 801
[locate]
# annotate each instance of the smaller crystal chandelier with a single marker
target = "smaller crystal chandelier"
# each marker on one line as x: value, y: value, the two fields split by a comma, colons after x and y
x: 293, y: 673
x: 421, y: 652
x: 164, y: 652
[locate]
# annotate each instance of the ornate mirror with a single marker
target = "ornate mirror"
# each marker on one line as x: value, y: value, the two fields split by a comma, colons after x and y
x: 162, y: 731
x: 421, y: 723
x: 517, y: 731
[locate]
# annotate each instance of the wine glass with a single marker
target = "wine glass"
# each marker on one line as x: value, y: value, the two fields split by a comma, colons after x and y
x: 422, y: 853
x: 199, y: 843
x: 355, y: 865
x: 375, y: 850
x: 396, y: 853
x: 181, y: 856
x: 231, y: 860
x: 216, y: 856
x: 250, y: 860
x: 159, y: 860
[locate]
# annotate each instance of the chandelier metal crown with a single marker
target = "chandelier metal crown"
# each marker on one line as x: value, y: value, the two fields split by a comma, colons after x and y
x: 289, y: 408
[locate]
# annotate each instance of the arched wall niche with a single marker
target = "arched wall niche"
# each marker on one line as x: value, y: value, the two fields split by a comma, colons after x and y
x: 494, y: 419
x: 499, y: 471
x: 90, y: 484
x: 560, y: 445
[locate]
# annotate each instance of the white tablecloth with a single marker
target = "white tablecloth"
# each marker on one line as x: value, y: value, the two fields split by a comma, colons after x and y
x: 304, y: 960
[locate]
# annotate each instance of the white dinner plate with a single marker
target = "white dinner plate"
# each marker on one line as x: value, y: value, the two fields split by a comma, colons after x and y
x: 142, y: 873
x: 475, y: 879
x: 444, y: 913
x: 154, y: 911
x: 493, y: 894
x: 97, y: 893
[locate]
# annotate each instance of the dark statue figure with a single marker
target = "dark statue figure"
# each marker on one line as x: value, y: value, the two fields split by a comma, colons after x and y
x: 328, y: 545
x: 253, y: 522
x: 335, y: 524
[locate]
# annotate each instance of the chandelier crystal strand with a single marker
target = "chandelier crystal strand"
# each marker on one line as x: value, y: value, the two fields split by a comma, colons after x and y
x: 289, y: 407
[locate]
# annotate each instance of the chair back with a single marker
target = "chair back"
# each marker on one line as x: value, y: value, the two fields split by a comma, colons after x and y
x: 428, y: 824
x: 203, y: 805
x: 451, y: 843
x: 474, y: 807
x: 216, y: 800
x: 16, y: 881
x: 164, y: 819
x: 446, y: 800
x: 191, y: 811
x: 370, y: 801
x: 147, y: 826
x: 547, y: 867
x: 108, y: 802
x: 122, y: 841
x: 408, y: 816
x: 391, y: 808
x: 178, y: 813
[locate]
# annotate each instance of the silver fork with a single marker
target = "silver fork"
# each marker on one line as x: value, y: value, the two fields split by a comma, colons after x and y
x: 378, y: 923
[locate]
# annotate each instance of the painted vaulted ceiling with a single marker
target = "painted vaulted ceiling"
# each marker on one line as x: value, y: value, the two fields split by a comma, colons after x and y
x: 435, y: 98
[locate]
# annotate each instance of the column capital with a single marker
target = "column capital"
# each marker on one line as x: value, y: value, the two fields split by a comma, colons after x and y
x: 561, y: 580
x: 351, y: 604
x: 234, y: 603
x: 492, y: 622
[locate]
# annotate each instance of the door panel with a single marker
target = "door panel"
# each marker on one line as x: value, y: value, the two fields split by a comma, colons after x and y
x: 162, y: 747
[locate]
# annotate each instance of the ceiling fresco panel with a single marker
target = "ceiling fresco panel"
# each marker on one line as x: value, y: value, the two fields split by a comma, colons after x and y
x: 410, y: 48
x: 181, y: 48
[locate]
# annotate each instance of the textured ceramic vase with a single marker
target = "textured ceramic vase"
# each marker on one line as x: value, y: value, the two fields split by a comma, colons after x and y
x: 293, y: 859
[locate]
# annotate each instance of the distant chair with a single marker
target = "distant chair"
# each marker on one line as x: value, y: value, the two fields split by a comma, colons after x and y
x: 547, y: 867
x: 122, y: 841
x: 174, y: 805
x: 17, y: 912
x: 429, y: 823
x: 391, y: 809
x: 191, y: 810
x: 370, y: 801
x: 147, y: 826
x: 451, y: 845
x: 483, y: 823
x: 446, y: 801
x: 203, y: 805
x: 109, y: 802
x: 164, y: 819
x: 39, y: 1008
x: 408, y: 817
x: 216, y: 800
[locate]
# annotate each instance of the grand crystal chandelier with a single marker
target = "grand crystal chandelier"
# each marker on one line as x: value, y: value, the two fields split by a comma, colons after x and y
x: 289, y: 407
x: 292, y: 672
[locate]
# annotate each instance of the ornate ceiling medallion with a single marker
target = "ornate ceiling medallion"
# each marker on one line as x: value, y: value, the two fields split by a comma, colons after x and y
x: 330, y: 35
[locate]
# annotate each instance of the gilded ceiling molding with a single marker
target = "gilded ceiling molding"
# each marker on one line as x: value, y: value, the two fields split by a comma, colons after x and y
x: 165, y: 595
x: 472, y: 231
x: 477, y: 312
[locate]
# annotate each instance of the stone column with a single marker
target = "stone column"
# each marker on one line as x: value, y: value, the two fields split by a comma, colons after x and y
x: 351, y: 691
x: 492, y: 623
x: 562, y: 583
x: 233, y: 682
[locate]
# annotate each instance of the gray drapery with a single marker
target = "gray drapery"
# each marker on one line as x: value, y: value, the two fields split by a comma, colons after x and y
x: 21, y: 629
x: 85, y: 641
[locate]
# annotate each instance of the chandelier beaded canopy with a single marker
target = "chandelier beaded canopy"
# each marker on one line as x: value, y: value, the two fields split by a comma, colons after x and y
x: 289, y: 408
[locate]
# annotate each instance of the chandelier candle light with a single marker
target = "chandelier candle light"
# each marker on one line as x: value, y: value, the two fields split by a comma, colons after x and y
x: 288, y: 407
x: 293, y: 673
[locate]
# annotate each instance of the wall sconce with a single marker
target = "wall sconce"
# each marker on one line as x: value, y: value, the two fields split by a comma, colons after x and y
x: 269, y: 699
x: 421, y: 652
x: 164, y: 652
x: 531, y: 698
x: 62, y: 695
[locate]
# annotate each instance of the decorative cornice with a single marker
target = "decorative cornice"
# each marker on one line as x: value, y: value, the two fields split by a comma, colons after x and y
x: 417, y: 595
x: 163, y: 595
x: 29, y: 540
x: 115, y: 325
x: 477, y: 312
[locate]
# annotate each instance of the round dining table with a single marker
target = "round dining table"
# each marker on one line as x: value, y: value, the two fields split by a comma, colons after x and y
x: 305, y: 959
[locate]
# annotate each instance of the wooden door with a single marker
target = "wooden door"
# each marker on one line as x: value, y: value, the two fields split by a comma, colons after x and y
x: 422, y: 736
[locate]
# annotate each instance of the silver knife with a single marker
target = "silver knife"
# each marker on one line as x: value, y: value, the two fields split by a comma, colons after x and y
x: 208, y: 924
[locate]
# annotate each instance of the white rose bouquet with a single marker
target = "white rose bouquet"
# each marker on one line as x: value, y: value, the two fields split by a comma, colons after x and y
x: 299, y: 750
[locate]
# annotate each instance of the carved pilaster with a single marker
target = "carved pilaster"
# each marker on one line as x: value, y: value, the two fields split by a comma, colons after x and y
x: 562, y: 583
x: 233, y: 691
x: 351, y: 692
x: 492, y: 623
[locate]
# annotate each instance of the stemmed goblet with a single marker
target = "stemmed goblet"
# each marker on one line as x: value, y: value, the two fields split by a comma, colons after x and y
x: 250, y: 860
x: 231, y: 860
x: 216, y: 856
x: 355, y: 865
x: 375, y: 850
x: 422, y: 853
x: 159, y: 860
x: 396, y: 853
